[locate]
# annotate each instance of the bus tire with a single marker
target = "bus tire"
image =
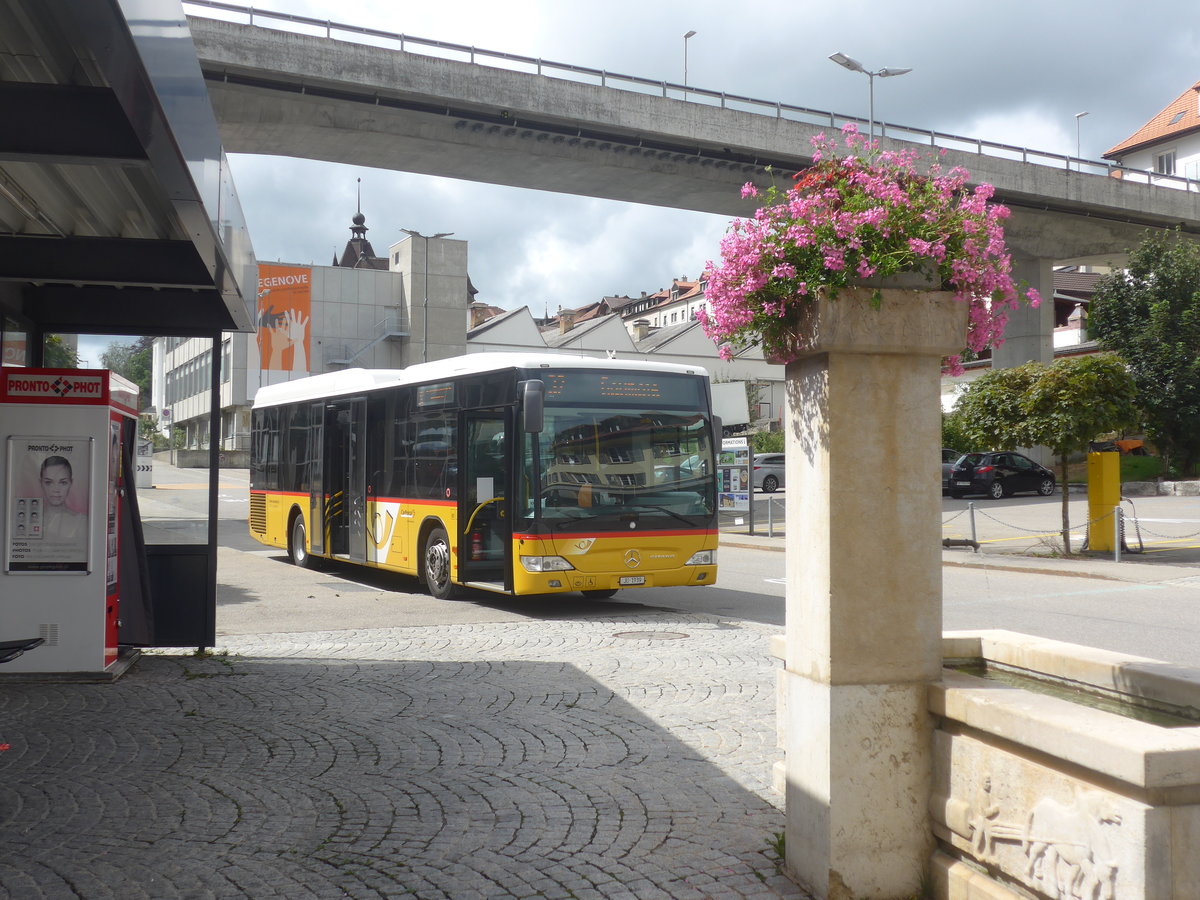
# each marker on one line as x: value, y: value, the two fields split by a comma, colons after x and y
x: 298, y: 546
x: 599, y: 595
x: 435, y: 565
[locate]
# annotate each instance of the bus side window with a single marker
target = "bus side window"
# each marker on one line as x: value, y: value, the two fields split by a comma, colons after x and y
x: 378, y: 477
x: 435, y: 462
x: 270, y: 453
x: 294, y: 428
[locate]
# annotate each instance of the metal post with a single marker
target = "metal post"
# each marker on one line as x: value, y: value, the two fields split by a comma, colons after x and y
x: 690, y: 34
x: 871, y: 119
x: 1118, y: 532
x: 971, y: 513
x: 770, y: 518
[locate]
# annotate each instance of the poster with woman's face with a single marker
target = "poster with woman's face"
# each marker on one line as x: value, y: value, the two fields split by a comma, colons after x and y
x: 46, y: 513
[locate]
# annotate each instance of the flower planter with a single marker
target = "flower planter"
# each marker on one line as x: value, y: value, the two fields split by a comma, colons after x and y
x: 1035, y: 793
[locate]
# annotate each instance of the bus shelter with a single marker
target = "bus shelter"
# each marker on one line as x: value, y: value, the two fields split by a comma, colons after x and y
x: 118, y: 216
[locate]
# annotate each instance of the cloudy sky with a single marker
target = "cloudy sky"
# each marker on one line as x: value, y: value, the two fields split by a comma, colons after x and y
x: 1015, y: 73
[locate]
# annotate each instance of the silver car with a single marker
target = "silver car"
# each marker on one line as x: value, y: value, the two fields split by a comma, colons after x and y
x: 768, y: 472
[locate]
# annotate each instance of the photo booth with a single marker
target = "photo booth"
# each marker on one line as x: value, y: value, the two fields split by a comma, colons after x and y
x: 71, y: 539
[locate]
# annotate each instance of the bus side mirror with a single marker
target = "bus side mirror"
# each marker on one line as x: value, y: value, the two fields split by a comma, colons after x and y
x: 533, y: 395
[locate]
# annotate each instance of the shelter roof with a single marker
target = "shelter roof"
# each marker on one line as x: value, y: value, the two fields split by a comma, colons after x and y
x: 105, y: 228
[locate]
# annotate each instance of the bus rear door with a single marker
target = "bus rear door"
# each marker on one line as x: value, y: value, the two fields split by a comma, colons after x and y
x: 344, y: 477
x: 485, y: 521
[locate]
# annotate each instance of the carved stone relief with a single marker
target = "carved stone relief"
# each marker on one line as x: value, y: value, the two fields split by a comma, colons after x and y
x: 1060, y: 836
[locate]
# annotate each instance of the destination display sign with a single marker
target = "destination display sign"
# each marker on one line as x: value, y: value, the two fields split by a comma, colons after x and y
x: 656, y: 390
x: 434, y: 395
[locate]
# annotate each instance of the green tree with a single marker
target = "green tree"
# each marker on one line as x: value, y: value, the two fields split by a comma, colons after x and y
x: 133, y: 361
x: 1062, y: 406
x: 56, y: 354
x: 768, y: 441
x: 1150, y: 314
x: 953, y: 436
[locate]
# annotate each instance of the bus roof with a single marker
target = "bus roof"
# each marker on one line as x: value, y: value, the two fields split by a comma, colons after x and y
x: 353, y: 381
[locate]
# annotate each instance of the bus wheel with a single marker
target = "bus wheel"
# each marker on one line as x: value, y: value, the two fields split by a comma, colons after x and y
x: 298, y: 548
x: 599, y: 595
x: 437, y: 565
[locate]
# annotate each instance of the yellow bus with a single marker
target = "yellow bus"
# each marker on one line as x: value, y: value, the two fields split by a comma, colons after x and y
x: 508, y: 472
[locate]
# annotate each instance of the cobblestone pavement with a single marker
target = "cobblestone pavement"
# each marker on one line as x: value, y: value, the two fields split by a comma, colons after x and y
x: 623, y: 758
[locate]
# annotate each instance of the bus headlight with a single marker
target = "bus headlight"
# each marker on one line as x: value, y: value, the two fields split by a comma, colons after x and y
x: 702, y: 558
x: 545, y: 564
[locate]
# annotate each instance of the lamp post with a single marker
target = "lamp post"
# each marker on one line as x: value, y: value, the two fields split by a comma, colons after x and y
x: 425, y: 303
x: 1078, y: 152
x: 690, y: 34
x: 849, y: 62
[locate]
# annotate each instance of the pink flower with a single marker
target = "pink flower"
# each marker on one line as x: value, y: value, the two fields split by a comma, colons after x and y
x: 867, y: 213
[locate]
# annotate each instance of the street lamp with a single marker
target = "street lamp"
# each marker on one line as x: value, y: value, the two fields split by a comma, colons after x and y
x: 849, y: 62
x: 690, y: 34
x: 425, y: 304
x: 1078, y: 153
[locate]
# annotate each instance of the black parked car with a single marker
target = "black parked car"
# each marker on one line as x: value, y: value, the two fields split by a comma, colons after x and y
x: 999, y: 474
x: 949, y: 458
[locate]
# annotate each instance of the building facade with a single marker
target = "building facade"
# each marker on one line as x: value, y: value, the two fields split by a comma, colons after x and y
x: 364, y: 310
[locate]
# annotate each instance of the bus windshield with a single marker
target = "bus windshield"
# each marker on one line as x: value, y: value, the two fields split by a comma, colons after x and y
x: 596, y: 461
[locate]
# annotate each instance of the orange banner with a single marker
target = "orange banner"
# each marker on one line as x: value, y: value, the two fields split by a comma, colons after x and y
x: 284, y: 317
x: 14, y: 352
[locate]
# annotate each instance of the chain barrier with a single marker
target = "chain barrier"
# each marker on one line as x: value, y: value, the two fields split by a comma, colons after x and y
x: 961, y: 512
x: 1016, y: 527
x: 1139, y: 531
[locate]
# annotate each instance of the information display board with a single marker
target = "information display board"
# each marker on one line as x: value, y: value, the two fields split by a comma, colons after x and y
x: 47, y: 507
x: 733, y: 475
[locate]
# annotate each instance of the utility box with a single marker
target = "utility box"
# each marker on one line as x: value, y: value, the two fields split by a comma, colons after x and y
x: 66, y: 436
x: 1104, y: 496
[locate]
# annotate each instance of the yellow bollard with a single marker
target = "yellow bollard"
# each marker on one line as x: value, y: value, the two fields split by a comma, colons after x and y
x: 1104, y: 495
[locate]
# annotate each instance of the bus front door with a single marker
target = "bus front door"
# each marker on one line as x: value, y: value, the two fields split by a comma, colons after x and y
x: 485, y: 521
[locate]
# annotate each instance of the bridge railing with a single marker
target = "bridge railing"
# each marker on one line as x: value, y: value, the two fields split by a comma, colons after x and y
x: 218, y: 9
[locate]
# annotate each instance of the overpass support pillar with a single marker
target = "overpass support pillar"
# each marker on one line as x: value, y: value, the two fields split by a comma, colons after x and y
x: 1030, y: 332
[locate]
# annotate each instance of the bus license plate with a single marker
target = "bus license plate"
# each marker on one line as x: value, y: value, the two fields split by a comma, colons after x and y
x: 626, y: 580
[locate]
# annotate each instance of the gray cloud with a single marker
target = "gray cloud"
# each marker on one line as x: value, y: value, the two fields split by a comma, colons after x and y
x: 1015, y: 73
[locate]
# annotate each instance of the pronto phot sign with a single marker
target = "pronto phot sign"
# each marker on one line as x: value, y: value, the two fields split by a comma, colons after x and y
x: 93, y: 387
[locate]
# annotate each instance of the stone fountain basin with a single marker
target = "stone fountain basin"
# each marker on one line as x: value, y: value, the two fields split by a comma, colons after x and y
x: 1035, y: 794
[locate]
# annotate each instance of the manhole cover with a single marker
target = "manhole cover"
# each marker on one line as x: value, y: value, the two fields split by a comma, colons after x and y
x: 651, y: 635
x: 347, y: 587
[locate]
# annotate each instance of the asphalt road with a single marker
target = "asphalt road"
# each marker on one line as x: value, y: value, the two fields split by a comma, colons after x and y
x: 260, y: 591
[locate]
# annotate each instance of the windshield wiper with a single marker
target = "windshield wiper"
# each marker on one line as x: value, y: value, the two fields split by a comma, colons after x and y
x: 669, y: 512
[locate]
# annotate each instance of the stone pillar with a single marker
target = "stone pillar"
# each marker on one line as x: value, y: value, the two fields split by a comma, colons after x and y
x: 864, y: 596
x: 1030, y: 332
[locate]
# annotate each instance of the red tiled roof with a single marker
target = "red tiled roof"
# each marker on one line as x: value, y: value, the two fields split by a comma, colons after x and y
x: 1164, y: 125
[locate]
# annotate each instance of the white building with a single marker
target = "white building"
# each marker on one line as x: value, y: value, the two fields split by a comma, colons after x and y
x: 606, y: 336
x: 1169, y: 144
x: 363, y: 310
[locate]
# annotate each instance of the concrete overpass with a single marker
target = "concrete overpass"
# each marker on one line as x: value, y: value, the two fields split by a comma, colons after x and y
x: 280, y: 92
